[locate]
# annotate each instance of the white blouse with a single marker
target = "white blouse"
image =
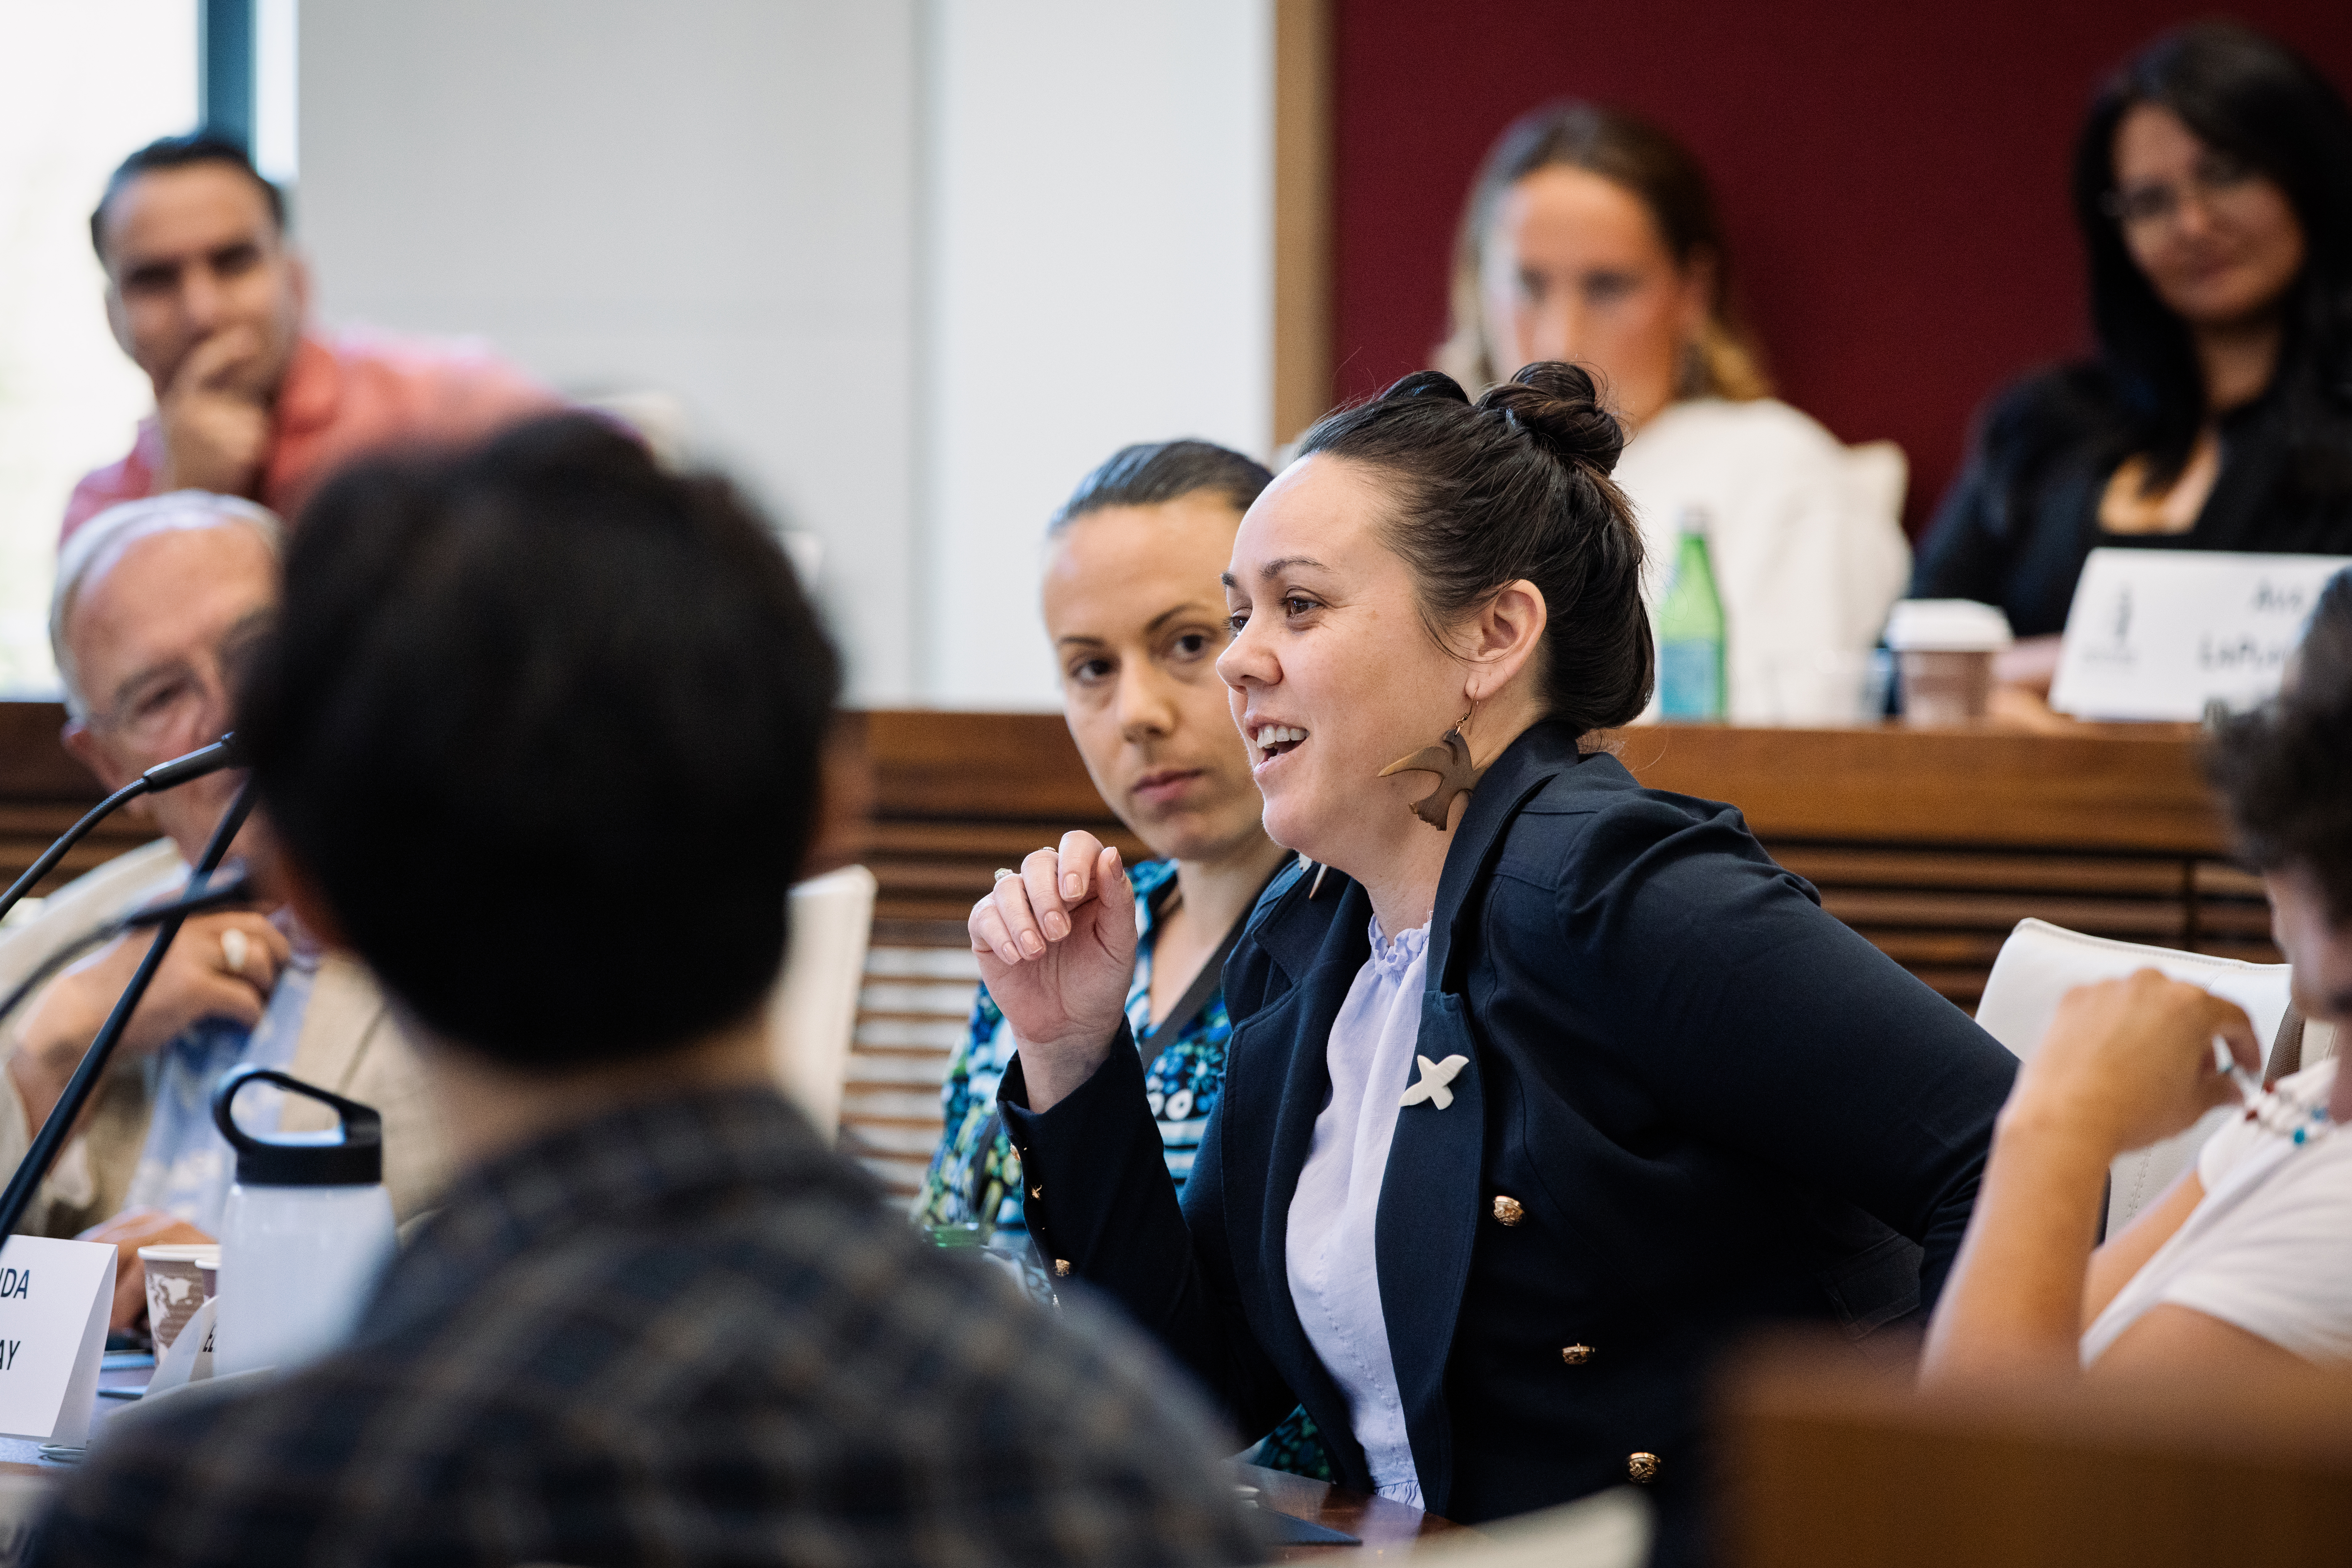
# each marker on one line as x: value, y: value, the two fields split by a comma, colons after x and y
x: 2266, y: 1249
x: 1329, y: 1252
x: 1805, y: 536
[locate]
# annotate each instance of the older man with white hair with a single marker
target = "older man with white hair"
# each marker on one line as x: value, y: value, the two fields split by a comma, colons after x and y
x: 157, y: 603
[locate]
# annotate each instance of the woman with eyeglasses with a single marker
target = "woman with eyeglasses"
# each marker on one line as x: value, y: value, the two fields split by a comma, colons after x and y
x: 2213, y: 184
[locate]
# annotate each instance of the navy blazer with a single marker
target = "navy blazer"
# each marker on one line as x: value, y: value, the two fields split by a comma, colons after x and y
x: 1707, y: 1102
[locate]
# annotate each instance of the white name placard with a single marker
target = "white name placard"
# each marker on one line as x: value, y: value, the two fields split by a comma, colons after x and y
x: 2158, y: 633
x: 55, y: 1300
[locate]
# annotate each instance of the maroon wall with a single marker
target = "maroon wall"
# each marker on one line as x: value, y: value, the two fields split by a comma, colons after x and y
x: 1893, y: 177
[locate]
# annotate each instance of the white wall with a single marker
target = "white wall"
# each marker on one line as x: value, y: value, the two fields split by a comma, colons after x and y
x: 912, y: 266
x: 709, y: 197
x: 1099, y: 264
x: 80, y: 86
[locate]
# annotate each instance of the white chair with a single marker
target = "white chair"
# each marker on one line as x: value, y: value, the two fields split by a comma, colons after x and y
x: 813, y: 1012
x: 2040, y: 962
x: 1881, y: 475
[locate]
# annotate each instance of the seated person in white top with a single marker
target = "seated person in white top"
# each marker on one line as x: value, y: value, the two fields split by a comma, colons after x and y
x: 1591, y: 236
x: 156, y: 602
x: 2247, y: 1260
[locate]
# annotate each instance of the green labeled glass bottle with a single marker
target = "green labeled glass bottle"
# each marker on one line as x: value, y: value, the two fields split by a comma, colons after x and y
x: 1690, y: 630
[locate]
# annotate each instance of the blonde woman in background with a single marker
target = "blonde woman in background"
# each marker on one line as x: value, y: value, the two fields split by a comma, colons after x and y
x: 1591, y: 235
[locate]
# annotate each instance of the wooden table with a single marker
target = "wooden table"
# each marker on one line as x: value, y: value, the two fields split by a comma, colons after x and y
x: 1826, y: 1462
x: 1388, y: 1529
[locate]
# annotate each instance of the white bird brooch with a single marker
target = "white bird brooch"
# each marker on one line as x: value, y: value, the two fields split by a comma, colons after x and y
x: 1434, y: 1077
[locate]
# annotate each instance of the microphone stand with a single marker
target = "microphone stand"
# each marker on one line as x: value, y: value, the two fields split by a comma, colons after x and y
x: 221, y: 753
x: 51, y: 1140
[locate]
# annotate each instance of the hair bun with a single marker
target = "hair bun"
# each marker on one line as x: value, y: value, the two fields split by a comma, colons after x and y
x: 1426, y: 383
x: 1558, y: 404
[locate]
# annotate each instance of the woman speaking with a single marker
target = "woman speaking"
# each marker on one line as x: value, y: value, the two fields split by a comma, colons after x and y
x: 1542, y: 1085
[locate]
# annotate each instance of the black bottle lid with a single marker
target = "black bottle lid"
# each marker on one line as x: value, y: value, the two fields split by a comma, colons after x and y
x: 349, y: 1156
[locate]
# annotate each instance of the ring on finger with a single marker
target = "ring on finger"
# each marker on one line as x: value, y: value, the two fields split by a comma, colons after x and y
x: 235, y: 948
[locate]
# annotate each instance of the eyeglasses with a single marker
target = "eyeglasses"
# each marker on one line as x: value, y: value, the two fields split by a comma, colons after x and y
x: 2217, y: 181
x: 161, y: 708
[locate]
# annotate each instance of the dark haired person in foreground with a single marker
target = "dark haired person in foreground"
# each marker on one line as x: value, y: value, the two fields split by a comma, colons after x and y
x: 2249, y: 1259
x: 2213, y: 186
x: 207, y: 296
x: 1537, y: 1098
x: 656, y: 1319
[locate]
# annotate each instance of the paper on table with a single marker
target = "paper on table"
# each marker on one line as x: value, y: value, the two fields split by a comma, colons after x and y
x: 190, y: 1359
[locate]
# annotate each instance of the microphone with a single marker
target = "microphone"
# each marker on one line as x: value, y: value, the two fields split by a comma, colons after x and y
x: 228, y: 752
x: 225, y: 753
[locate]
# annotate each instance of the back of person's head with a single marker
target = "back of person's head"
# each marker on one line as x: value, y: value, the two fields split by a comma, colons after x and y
x: 1153, y: 473
x: 98, y: 543
x: 196, y: 147
x: 2252, y: 100
x: 542, y: 725
x: 2285, y: 770
x: 1515, y: 486
x: 1643, y: 158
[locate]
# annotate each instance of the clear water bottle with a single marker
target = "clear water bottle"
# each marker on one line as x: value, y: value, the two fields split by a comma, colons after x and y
x: 306, y: 1231
x: 1690, y: 630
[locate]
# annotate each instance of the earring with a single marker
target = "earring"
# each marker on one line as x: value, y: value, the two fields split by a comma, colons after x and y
x: 1450, y: 761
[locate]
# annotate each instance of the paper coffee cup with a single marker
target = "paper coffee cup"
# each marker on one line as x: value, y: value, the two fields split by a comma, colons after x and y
x: 180, y: 1278
x: 1944, y: 649
x: 1941, y: 687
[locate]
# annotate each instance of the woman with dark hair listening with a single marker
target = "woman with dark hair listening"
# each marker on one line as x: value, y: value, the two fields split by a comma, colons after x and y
x: 2214, y: 185
x: 1132, y: 607
x: 1592, y: 234
x: 1542, y: 1085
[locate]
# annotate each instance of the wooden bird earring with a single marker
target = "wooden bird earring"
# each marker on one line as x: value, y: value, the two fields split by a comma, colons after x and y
x: 1450, y: 761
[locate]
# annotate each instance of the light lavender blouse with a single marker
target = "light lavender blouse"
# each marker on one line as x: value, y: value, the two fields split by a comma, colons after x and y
x: 1329, y: 1252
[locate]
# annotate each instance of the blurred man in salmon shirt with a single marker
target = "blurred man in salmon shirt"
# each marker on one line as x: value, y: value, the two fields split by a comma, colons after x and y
x: 204, y: 294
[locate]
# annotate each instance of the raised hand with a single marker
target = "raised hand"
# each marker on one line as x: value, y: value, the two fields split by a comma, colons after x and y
x: 1057, y: 946
x: 197, y: 981
x: 216, y: 429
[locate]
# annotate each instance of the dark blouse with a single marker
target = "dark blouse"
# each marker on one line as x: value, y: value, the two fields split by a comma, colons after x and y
x: 2017, y: 526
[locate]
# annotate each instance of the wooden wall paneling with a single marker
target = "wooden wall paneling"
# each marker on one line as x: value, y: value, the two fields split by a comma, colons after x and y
x: 1302, y: 215
x: 1931, y: 844
x: 955, y: 796
x: 43, y: 791
x: 1934, y: 844
x: 2132, y: 788
x: 33, y: 761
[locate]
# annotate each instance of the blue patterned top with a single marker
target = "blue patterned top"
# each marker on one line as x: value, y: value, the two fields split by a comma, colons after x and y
x: 975, y: 1157
x: 976, y: 1168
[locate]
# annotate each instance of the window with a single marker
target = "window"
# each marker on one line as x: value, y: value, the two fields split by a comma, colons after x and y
x: 80, y: 86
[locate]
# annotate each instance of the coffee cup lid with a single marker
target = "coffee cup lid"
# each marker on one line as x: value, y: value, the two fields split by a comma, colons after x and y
x: 1947, y: 626
x: 197, y: 1252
